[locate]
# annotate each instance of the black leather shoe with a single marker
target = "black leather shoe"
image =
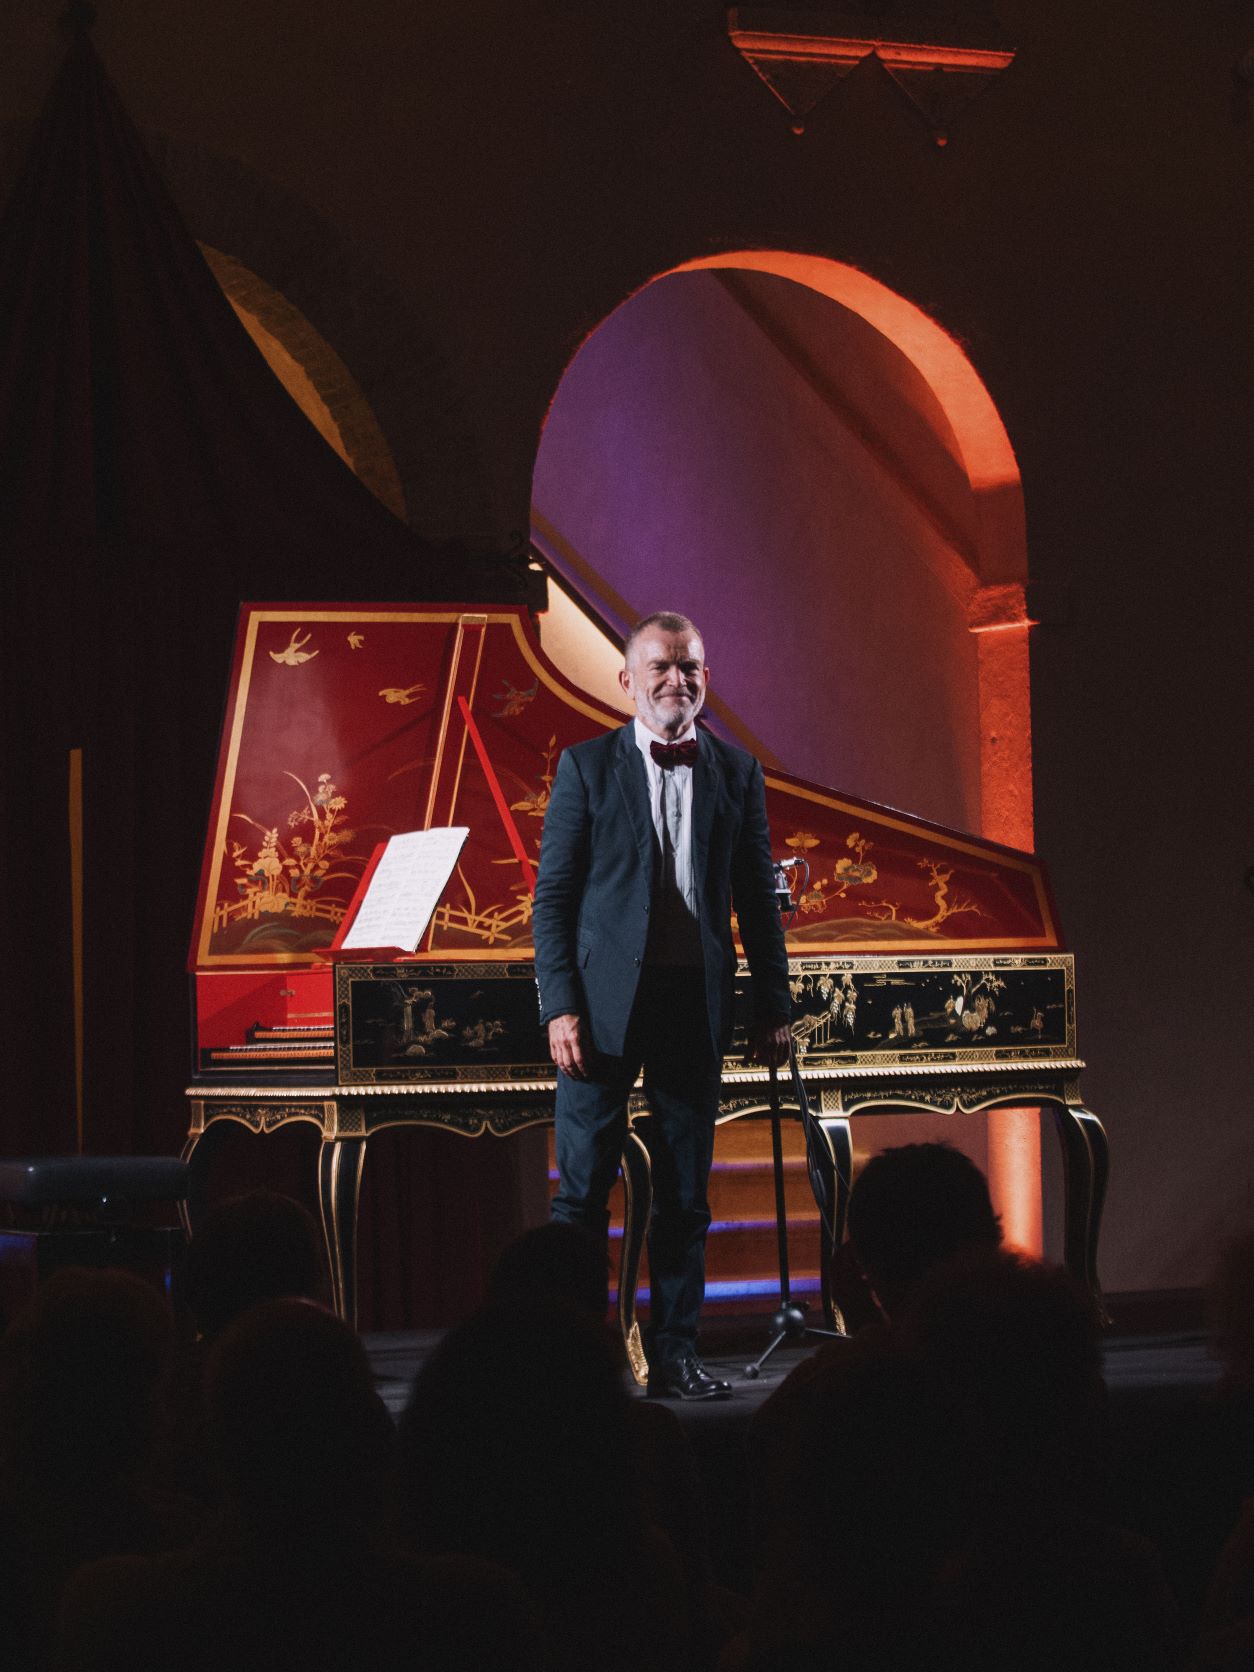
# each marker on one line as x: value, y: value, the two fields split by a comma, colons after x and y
x: 686, y: 1378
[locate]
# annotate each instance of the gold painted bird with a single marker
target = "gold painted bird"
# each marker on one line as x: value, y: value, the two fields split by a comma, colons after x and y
x: 294, y: 655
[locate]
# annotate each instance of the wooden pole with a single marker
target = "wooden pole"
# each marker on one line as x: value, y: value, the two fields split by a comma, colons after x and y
x: 75, y: 805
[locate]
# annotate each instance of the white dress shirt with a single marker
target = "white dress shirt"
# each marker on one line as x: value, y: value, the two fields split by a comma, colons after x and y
x: 674, y: 927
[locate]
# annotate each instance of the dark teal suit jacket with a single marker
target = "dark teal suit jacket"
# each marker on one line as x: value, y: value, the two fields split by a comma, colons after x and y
x: 598, y: 859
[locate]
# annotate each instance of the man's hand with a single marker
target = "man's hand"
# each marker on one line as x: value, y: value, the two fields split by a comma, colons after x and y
x: 769, y: 1043
x: 566, y: 1046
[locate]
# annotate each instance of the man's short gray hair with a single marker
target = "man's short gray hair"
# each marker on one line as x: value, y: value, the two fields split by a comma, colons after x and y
x: 669, y: 621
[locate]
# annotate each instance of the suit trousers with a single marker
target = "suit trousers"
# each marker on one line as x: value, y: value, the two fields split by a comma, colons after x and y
x: 668, y: 1037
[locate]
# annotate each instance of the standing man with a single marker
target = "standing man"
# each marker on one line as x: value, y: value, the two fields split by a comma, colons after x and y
x: 653, y: 833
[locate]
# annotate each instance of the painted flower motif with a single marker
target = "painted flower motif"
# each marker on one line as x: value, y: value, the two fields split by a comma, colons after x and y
x: 286, y: 877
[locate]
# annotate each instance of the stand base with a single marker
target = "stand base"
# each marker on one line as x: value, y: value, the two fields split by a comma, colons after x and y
x: 789, y: 1324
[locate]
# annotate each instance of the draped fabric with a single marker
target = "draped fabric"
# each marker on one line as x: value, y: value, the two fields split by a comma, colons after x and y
x: 153, y: 473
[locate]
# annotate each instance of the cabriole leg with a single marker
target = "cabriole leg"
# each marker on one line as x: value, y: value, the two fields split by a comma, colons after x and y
x: 340, y: 1161
x: 838, y: 1145
x: 637, y: 1206
x: 1086, y: 1169
x: 196, y: 1154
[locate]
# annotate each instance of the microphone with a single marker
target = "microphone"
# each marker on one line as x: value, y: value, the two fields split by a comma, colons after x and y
x: 783, y: 886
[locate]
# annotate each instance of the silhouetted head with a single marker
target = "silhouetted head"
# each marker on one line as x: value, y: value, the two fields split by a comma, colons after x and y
x: 253, y: 1248
x: 913, y: 1207
x: 516, y: 1445
x: 79, y: 1374
x: 554, y: 1264
x: 300, y: 1434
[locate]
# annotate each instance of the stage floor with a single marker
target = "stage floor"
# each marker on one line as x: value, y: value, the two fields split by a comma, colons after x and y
x: 1170, y: 1369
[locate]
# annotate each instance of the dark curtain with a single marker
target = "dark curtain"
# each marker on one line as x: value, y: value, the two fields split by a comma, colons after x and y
x: 153, y: 473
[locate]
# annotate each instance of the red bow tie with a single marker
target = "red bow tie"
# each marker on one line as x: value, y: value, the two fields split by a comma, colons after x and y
x: 675, y: 754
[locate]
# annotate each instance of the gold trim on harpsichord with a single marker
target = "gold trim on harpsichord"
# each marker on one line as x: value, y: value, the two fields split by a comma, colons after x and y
x: 261, y: 1110
x: 901, y: 1072
x: 470, y: 1122
x: 364, y: 1088
x: 852, y: 1097
x: 264, y: 1110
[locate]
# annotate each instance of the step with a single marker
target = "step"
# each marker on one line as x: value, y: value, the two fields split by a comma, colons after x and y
x: 749, y: 1138
x: 752, y: 1248
x: 742, y: 1253
x: 742, y: 1176
x: 739, y: 1193
x: 740, y: 1142
x: 760, y: 1295
x: 754, y: 1251
x: 745, y: 1192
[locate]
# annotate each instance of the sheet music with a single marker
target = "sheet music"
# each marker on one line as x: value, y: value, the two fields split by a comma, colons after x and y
x: 406, y: 888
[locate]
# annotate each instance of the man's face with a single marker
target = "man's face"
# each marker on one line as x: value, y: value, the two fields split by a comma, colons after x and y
x: 666, y: 677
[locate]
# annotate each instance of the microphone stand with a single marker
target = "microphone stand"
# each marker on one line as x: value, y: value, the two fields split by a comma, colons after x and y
x: 789, y: 1322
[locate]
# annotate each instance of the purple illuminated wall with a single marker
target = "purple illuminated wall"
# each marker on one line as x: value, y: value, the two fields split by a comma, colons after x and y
x: 757, y: 456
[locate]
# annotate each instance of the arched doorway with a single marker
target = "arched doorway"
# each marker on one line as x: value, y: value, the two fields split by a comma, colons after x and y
x: 805, y: 462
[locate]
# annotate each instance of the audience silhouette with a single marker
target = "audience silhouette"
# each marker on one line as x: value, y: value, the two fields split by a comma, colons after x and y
x: 79, y: 1407
x: 1224, y: 1448
x: 517, y: 1446
x: 846, y: 1453
x: 251, y: 1248
x: 935, y: 1491
x: 1036, y: 1575
x: 910, y: 1209
x: 302, y: 1568
x: 565, y: 1265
